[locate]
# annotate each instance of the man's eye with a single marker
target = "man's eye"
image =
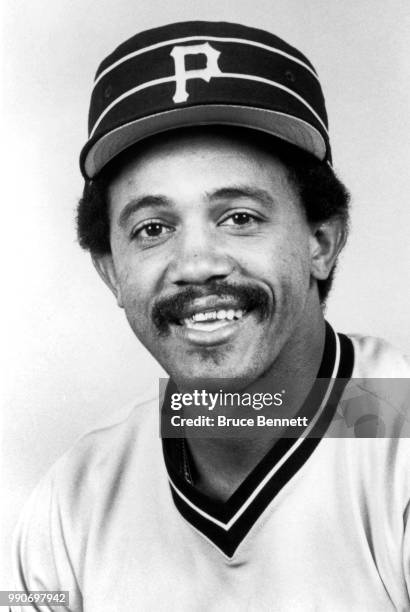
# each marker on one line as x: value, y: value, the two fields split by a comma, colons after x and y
x: 240, y: 218
x: 153, y: 229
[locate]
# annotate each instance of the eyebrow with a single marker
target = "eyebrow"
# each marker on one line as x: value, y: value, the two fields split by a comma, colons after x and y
x: 242, y: 191
x: 225, y: 193
x: 148, y: 201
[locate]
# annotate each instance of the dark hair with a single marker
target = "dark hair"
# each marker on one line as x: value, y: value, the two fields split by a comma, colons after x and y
x: 322, y: 194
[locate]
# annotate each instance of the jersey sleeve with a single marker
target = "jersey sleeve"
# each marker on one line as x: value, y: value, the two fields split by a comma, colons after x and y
x: 41, y: 555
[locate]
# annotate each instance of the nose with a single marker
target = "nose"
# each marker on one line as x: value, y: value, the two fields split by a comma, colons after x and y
x: 199, y: 259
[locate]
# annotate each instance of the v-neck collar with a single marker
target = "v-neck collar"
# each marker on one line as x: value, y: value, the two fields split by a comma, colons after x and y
x: 226, y: 524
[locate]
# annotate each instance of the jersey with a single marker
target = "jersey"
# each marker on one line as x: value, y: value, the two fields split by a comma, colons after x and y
x: 320, y: 524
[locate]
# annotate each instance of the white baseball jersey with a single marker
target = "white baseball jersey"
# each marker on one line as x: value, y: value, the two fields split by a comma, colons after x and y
x: 320, y: 524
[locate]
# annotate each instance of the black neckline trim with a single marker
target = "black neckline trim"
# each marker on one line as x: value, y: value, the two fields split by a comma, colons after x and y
x: 226, y: 524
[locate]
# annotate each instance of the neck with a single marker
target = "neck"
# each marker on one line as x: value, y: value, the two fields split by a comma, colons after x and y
x: 221, y: 464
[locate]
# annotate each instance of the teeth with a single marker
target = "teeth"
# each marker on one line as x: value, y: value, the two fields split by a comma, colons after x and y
x: 204, y: 316
x: 213, y: 315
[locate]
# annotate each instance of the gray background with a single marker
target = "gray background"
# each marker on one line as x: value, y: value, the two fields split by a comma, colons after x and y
x: 70, y: 361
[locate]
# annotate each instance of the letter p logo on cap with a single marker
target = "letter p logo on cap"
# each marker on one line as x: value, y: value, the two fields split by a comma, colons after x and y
x: 182, y: 75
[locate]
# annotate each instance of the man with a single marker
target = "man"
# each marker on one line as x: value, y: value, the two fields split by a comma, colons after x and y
x: 212, y: 213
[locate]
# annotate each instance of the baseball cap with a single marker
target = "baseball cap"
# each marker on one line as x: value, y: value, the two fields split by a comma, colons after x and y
x: 199, y: 73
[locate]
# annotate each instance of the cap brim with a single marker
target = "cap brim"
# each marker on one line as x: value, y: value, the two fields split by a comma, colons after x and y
x: 286, y: 127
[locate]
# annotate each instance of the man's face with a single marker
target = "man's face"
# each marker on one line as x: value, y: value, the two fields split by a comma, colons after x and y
x: 211, y: 256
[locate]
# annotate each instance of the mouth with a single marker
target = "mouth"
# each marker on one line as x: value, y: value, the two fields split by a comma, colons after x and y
x: 213, y: 317
x: 211, y: 320
x: 212, y: 327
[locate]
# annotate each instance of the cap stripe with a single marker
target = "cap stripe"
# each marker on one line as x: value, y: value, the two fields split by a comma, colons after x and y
x: 249, y: 77
x: 126, y: 95
x: 230, y: 75
x: 192, y: 38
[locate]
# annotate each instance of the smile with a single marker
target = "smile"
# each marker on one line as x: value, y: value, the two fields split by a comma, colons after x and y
x: 211, y: 326
x: 212, y: 320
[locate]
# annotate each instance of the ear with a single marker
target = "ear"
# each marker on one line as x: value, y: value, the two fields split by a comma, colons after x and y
x: 104, y: 265
x: 327, y: 240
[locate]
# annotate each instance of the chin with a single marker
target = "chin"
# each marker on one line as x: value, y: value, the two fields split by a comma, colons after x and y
x: 214, y: 365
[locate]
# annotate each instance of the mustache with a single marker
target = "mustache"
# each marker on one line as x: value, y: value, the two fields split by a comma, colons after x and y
x: 168, y: 309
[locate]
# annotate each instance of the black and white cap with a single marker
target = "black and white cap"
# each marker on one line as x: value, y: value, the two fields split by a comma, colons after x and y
x: 203, y: 73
